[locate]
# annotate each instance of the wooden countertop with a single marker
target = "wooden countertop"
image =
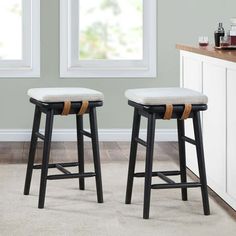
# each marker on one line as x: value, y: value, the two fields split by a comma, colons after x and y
x: 228, y: 55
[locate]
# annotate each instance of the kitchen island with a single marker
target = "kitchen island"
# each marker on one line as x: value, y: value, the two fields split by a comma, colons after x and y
x: 213, y: 72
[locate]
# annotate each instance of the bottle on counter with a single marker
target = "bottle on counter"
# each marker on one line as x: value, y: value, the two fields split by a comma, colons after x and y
x: 232, y: 32
x: 219, y: 33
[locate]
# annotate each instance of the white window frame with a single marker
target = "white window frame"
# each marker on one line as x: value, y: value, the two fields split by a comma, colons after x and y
x: 71, y: 67
x: 29, y: 65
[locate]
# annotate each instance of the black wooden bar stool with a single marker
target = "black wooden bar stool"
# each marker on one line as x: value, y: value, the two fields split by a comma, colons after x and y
x: 166, y: 103
x: 64, y: 101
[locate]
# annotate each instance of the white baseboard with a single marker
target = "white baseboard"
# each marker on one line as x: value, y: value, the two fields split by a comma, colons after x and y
x: 19, y: 135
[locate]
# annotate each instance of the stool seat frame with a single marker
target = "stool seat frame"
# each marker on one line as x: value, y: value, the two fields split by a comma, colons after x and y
x: 157, y: 112
x: 51, y: 109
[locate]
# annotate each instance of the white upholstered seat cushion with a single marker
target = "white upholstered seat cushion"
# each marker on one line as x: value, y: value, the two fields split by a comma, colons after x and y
x: 65, y: 94
x: 162, y: 96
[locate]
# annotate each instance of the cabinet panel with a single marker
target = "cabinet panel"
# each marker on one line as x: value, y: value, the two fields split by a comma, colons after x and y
x: 231, y: 133
x: 217, y: 79
x: 192, y: 73
x: 214, y: 125
x: 192, y: 79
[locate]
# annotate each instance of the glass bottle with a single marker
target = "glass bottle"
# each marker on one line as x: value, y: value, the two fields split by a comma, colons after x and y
x: 219, y: 33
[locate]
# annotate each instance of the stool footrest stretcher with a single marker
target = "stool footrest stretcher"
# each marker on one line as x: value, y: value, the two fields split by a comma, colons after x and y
x: 54, y: 165
x: 85, y: 133
x: 157, y: 173
x: 71, y: 176
x: 165, y: 178
x: 140, y: 141
x: 62, y: 169
x: 162, y: 175
x: 176, y: 185
x: 39, y: 135
x: 188, y: 140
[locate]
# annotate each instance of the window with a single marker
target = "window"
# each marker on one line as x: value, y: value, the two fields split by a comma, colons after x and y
x: 19, y: 38
x: 108, y: 38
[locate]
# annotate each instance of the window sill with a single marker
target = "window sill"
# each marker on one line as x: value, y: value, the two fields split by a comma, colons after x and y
x: 135, y: 73
x: 19, y: 73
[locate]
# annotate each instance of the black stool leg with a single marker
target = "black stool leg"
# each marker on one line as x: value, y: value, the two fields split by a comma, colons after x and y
x: 132, y: 157
x: 80, y: 146
x: 33, y: 145
x: 201, y: 162
x: 149, y: 162
x: 96, y: 154
x: 46, y: 154
x: 182, y: 157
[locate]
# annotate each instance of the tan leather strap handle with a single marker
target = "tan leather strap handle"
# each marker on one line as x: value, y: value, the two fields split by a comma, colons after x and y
x: 187, y: 111
x: 66, y: 108
x: 169, y: 111
x: 83, y: 108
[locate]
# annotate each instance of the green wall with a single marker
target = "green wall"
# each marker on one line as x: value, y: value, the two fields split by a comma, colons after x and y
x: 179, y: 21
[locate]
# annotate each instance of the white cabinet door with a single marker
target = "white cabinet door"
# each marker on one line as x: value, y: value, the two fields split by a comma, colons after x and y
x: 192, y: 79
x: 214, y: 125
x: 231, y: 133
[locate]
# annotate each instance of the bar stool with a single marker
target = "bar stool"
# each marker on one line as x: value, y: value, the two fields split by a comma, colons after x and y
x: 166, y: 103
x: 64, y: 101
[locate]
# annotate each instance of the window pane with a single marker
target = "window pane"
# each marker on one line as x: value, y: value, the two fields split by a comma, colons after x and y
x: 111, y: 29
x: 10, y: 29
